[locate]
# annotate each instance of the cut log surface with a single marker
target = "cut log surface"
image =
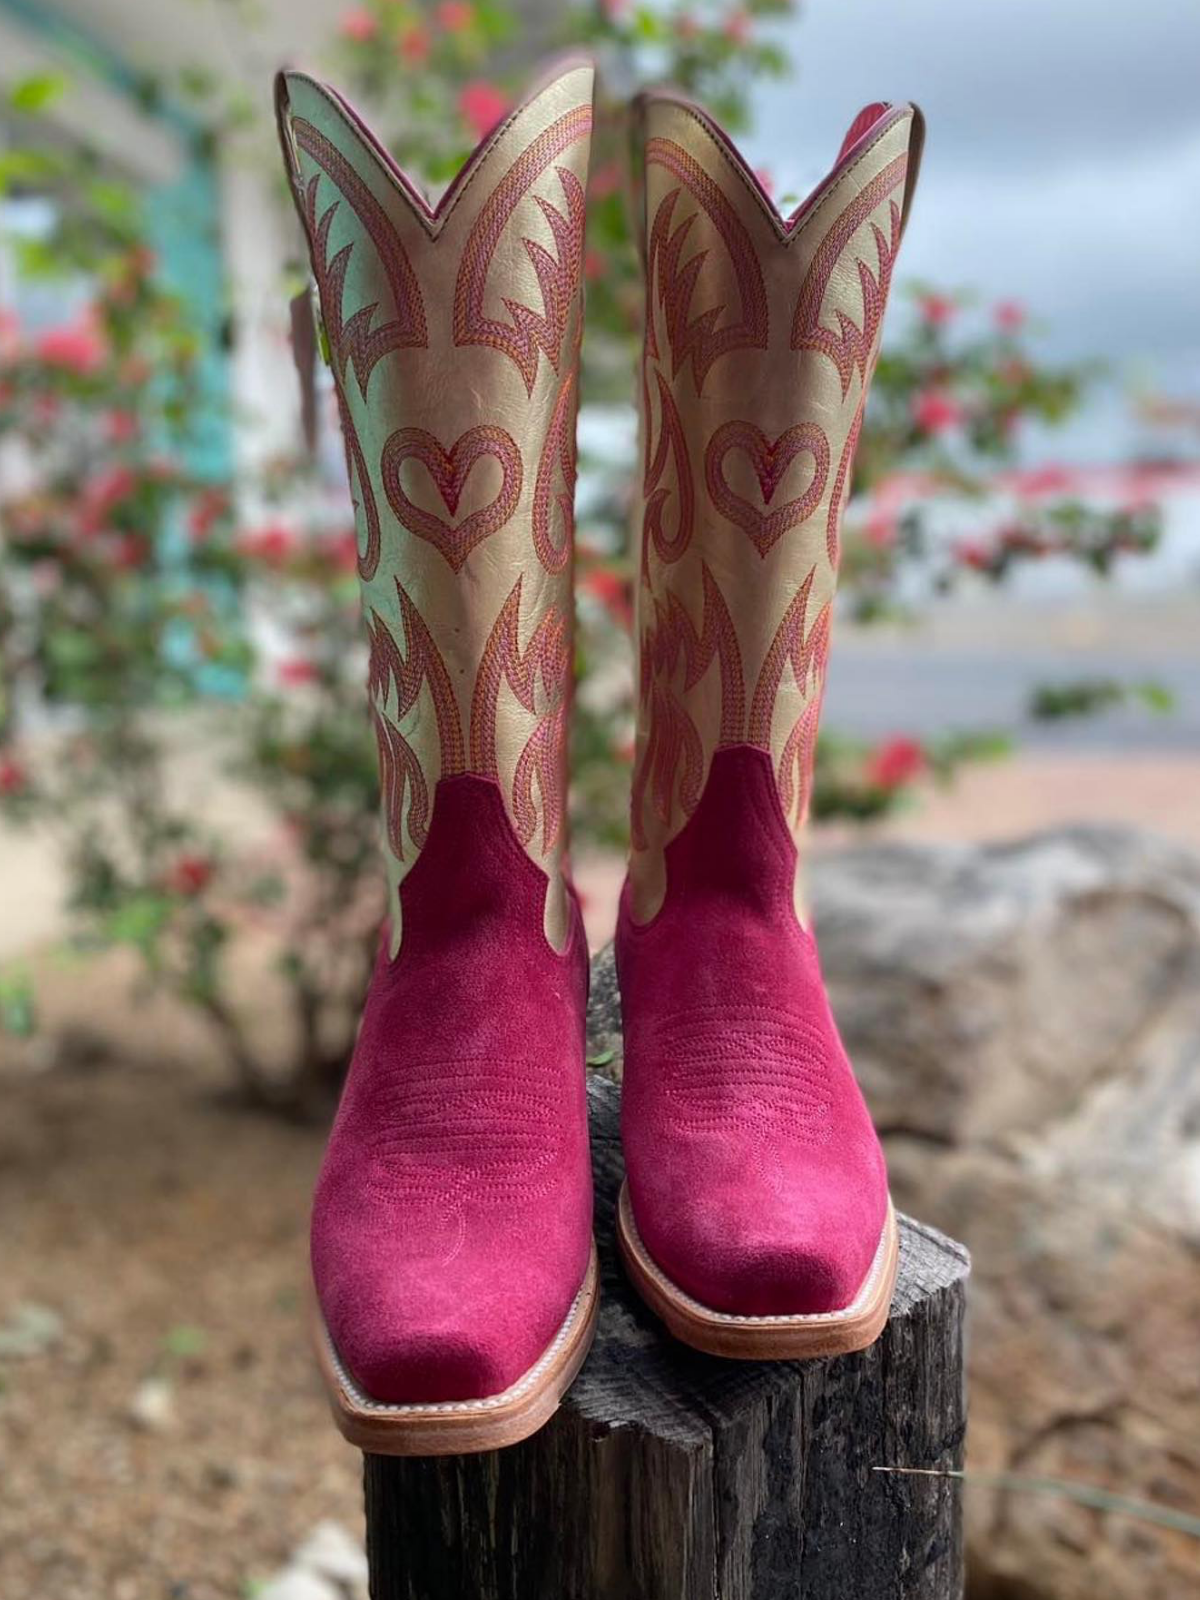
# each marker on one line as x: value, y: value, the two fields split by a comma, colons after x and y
x: 670, y: 1475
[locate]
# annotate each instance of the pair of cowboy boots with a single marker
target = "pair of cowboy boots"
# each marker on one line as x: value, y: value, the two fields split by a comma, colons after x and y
x: 452, y: 1242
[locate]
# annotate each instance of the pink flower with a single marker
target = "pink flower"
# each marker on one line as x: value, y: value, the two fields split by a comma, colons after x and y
x: 209, y: 506
x: 358, y: 24
x: 10, y: 334
x: 455, y: 16
x: 415, y: 45
x: 121, y: 426
x: 1009, y: 316
x: 74, y: 348
x: 614, y: 10
x: 935, y: 411
x: 481, y: 105
x: 766, y: 179
x: 593, y: 265
x: 297, y: 670
x: 101, y: 493
x: 605, y: 180
x: 13, y: 777
x: 895, y: 764
x: 937, y: 309
x: 880, y: 529
x: 738, y: 25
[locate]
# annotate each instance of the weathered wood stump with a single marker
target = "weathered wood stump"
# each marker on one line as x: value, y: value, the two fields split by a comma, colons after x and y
x: 669, y: 1475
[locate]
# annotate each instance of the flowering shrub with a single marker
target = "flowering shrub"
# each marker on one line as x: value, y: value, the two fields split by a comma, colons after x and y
x: 129, y: 590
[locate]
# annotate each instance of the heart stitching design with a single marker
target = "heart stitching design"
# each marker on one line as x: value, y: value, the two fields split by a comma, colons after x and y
x: 450, y: 470
x: 771, y: 461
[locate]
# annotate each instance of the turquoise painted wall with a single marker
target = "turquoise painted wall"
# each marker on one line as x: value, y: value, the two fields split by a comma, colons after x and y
x: 183, y: 219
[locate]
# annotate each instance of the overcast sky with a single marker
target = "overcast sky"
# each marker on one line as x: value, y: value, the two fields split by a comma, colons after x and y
x: 1062, y: 166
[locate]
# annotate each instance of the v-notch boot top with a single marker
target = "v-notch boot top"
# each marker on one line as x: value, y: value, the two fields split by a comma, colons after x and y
x: 755, y: 1217
x: 451, y: 1232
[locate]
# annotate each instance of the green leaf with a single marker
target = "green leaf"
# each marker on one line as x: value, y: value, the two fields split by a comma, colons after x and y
x: 602, y: 1060
x: 34, y: 94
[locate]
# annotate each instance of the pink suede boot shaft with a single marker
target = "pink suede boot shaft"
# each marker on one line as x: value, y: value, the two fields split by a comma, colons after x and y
x: 451, y: 1229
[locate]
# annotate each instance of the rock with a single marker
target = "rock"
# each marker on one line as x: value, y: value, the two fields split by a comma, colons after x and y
x: 1025, y: 1021
x: 29, y: 1330
x: 334, y: 1554
x: 153, y: 1406
x: 298, y: 1583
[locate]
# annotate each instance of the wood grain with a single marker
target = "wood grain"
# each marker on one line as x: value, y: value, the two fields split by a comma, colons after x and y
x: 671, y: 1475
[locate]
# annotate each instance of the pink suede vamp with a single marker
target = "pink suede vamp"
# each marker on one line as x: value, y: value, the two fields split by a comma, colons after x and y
x: 452, y: 1219
x: 757, y: 1181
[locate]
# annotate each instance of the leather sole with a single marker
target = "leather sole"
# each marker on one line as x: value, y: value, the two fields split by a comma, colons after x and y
x: 462, y: 1427
x: 776, y: 1338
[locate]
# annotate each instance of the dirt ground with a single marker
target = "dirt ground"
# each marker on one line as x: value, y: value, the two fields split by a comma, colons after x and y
x: 165, y: 1436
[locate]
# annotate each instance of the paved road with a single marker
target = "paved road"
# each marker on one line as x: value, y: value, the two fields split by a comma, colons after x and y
x: 876, y: 690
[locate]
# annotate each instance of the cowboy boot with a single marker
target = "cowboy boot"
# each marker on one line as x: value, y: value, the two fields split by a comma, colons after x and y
x: 755, y: 1218
x: 451, y: 1234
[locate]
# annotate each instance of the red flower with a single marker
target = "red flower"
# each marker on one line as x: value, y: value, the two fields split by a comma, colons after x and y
x: 120, y: 426
x: 13, y: 777
x: 210, y: 505
x: 612, y: 592
x: 358, y: 24
x: 934, y: 411
x: 297, y: 670
x: 455, y: 16
x: 594, y: 264
x: 343, y: 551
x: 738, y: 25
x: 127, y: 551
x: 481, y: 105
x: 189, y: 874
x: 415, y: 46
x: 74, y: 348
x: 1010, y: 316
x: 272, y: 544
x: 973, y: 553
x: 895, y: 764
x: 937, y: 309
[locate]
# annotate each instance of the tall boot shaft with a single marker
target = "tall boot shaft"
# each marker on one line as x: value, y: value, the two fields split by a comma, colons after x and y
x: 761, y: 339
x: 453, y: 333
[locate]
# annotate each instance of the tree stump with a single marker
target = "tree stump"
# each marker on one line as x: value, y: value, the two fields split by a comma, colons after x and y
x: 670, y: 1475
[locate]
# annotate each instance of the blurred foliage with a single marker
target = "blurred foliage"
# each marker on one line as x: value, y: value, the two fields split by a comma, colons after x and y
x: 129, y: 589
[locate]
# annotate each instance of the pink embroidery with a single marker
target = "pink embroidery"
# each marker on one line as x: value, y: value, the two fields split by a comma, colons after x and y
x: 672, y: 445
x: 353, y: 342
x: 450, y: 470
x: 542, y: 672
x: 699, y: 338
x: 368, y: 511
x: 771, y: 461
x: 529, y: 332
x: 673, y: 755
x: 850, y: 349
x: 807, y: 654
x: 841, y: 485
x: 558, y: 458
x: 389, y: 671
